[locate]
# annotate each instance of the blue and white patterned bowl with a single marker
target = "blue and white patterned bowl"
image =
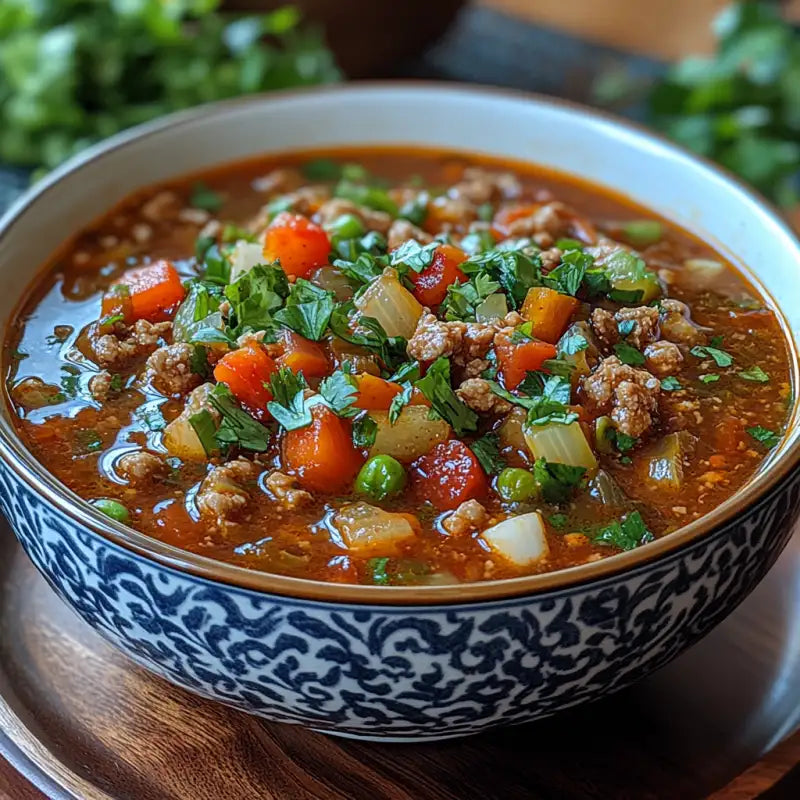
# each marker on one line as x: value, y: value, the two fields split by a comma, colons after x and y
x: 398, y: 662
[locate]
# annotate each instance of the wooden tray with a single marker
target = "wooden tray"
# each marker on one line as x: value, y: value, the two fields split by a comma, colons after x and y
x: 80, y: 720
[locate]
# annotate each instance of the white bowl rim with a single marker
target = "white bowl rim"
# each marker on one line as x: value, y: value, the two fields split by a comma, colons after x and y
x: 25, y: 466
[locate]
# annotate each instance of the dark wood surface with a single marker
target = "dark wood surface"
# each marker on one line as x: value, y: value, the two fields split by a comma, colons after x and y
x: 105, y: 728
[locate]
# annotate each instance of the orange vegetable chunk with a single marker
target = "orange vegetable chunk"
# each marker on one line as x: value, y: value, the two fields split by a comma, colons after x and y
x: 299, y: 244
x: 514, y: 360
x: 303, y: 355
x: 246, y: 372
x: 375, y: 394
x: 448, y: 475
x: 549, y: 311
x: 322, y: 455
x: 430, y: 285
x: 149, y: 293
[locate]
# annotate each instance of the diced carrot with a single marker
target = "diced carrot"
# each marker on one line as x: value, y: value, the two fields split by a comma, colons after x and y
x: 430, y: 285
x: 448, y: 475
x: 549, y: 311
x: 246, y: 372
x: 152, y: 293
x: 303, y: 355
x: 375, y: 394
x: 322, y: 455
x: 514, y: 360
x: 299, y: 244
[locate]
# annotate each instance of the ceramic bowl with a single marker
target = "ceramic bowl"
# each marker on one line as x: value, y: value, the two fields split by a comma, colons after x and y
x: 401, y: 662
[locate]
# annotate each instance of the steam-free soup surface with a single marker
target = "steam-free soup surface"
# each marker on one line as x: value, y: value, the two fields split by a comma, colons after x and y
x: 396, y: 367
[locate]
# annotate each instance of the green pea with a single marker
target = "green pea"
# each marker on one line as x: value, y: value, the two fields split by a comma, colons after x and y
x: 111, y: 508
x: 516, y: 485
x: 347, y: 226
x: 380, y: 477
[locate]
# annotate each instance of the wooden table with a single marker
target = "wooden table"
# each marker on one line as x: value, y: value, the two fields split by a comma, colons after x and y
x: 662, y: 28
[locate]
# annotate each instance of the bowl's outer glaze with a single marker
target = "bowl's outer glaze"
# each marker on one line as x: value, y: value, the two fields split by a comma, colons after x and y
x: 443, y: 668
x: 401, y: 672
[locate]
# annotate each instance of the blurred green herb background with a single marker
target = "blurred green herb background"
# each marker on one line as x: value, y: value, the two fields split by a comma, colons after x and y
x: 740, y: 107
x: 75, y: 71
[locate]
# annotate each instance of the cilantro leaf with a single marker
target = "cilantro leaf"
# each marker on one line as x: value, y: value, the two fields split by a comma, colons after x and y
x: 671, y: 384
x: 764, y: 435
x: 487, y: 451
x: 558, y: 521
x: 463, y: 299
x: 721, y: 358
x: 205, y: 198
x: 568, y: 276
x: 515, y: 270
x: 626, y: 534
x: 288, y: 406
x: 340, y: 392
x: 435, y: 385
x: 255, y: 297
x: 308, y: 310
x: 365, y: 429
x: 711, y: 377
x: 557, y: 481
x: 628, y: 354
x: 215, y: 268
x: 548, y: 403
x: 205, y: 427
x: 573, y: 341
x: 370, y: 335
x: 363, y: 270
x: 237, y: 427
x: 755, y: 374
x: 414, y: 255
x: 400, y: 401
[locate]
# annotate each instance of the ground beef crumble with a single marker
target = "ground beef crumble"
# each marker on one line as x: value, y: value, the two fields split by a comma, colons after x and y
x: 169, y: 369
x: 468, y: 517
x: 284, y: 489
x: 644, y: 319
x: 478, y: 395
x: 222, y: 497
x: 139, y: 468
x: 663, y: 358
x: 127, y: 343
x: 629, y: 394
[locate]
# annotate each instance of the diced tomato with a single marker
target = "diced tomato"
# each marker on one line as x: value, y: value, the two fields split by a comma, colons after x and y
x: 246, y: 372
x: 149, y: 293
x: 375, y: 394
x: 514, y: 360
x: 448, y: 475
x: 322, y: 455
x: 299, y: 244
x: 548, y: 311
x: 430, y: 285
x: 303, y: 355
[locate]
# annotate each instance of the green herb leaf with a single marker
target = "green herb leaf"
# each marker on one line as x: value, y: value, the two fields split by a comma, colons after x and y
x: 370, y: 196
x: 365, y: 429
x: 568, y: 276
x: 205, y: 198
x: 255, y: 297
x: 515, y: 270
x: 414, y: 255
x: 765, y: 436
x: 237, y: 428
x: 340, y: 392
x: 573, y: 341
x: 321, y: 169
x: 487, y: 451
x: 463, y: 299
x: 626, y: 534
x: 198, y: 362
x: 205, y: 427
x: 721, y: 358
x: 755, y: 374
x: 376, y: 571
x: 628, y: 354
x: 444, y: 401
x: 557, y: 481
x: 288, y: 406
x: 400, y: 401
x: 712, y: 377
x: 390, y: 349
x: 671, y: 384
x: 558, y: 521
x: 308, y: 310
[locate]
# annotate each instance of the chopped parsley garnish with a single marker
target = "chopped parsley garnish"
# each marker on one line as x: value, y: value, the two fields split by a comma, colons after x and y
x: 522, y: 333
x: 369, y: 334
x: 416, y: 210
x: 255, y: 297
x: 626, y: 327
x: 365, y: 429
x: 205, y: 198
x: 765, y: 436
x: 205, y: 427
x: 237, y: 428
x: 546, y: 398
x: 628, y: 354
x: 435, y: 385
x: 364, y: 269
x: 288, y: 405
x: 573, y: 341
x: 755, y: 374
x: 671, y: 384
x: 198, y: 361
x: 376, y: 571
x: 232, y: 233
x: 362, y: 195
x: 340, y: 392
x: 568, y: 276
x: 414, y: 255
x: 515, y: 270
x: 711, y: 377
x: 720, y: 357
x: 627, y: 534
x: 322, y: 169
x: 463, y: 299
x: 308, y: 310
x: 557, y: 481
x: 400, y: 401
x: 623, y: 441
x: 487, y: 451
x: 558, y: 521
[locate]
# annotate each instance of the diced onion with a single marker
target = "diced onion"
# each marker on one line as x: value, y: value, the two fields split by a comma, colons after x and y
x: 700, y: 273
x: 412, y: 435
x: 665, y: 465
x: 561, y: 444
x: 389, y: 302
x: 521, y: 540
x: 367, y: 529
x: 244, y: 257
x: 180, y: 438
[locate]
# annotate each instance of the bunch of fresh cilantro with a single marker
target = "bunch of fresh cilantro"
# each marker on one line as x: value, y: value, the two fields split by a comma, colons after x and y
x: 741, y: 107
x: 75, y: 71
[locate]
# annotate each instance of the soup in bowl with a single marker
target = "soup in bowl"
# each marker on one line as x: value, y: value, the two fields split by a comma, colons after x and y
x: 399, y: 439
